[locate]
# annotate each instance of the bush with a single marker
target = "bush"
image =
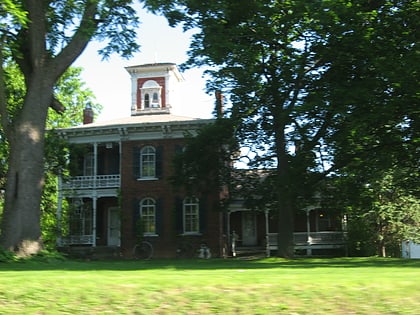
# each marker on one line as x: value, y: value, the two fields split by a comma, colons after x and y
x: 6, y: 255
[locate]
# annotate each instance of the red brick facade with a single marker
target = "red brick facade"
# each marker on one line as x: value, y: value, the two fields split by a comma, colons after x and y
x: 169, y: 232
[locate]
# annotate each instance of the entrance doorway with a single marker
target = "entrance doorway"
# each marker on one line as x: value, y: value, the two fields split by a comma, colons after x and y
x: 249, y: 228
x: 114, y: 232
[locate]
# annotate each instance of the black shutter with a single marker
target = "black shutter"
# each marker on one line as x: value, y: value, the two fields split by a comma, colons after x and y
x: 159, y: 162
x: 159, y: 216
x: 136, y: 163
x: 203, y: 215
x: 179, y: 220
x: 136, y: 216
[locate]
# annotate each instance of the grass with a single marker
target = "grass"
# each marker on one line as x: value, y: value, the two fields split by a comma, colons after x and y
x: 233, y: 286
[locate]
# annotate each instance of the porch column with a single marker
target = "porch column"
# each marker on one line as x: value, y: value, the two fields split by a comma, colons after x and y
x: 59, y: 209
x: 267, y: 238
x: 94, y: 204
x: 95, y: 163
x: 308, y: 231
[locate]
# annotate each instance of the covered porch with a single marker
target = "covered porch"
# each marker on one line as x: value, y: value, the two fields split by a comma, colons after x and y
x: 90, y: 221
x: 317, y: 232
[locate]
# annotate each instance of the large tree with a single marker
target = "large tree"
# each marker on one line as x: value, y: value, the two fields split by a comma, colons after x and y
x: 44, y: 38
x: 305, y: 78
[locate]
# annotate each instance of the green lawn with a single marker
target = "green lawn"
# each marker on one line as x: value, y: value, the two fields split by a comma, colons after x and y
x: 267, y: 286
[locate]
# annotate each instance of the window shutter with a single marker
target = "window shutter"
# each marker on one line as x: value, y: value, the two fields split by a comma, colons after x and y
x: 203, y: 215
x: 159, y: 162
x: 159, y: 216
x: 136, y: 216
x: 136, y: 163
x: 179, y: 220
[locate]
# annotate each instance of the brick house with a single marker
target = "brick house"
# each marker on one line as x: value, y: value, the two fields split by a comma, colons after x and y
x: 120, y: 172
x: 120, y: 175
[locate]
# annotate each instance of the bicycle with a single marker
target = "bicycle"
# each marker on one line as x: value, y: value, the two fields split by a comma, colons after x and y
x: 144, y: 250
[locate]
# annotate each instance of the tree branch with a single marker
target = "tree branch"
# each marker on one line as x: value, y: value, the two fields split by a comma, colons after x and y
x: 3, y: 102
x: 57, y: 106
x: 79, y: 41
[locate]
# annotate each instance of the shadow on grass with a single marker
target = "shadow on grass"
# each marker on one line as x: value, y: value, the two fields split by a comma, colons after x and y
x: 196, y: 264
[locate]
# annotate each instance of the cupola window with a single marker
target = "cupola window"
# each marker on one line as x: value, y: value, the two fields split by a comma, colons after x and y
x: 151, y: 92
x: 146, y: 100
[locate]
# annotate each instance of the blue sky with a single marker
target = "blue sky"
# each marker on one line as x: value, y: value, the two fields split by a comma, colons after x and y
x: 110, y: 82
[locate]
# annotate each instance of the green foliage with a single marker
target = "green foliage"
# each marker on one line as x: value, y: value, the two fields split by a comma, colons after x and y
x: 73, y: 94
x: 204, y: 165
x: 6, y: 256
x: 46, y: 256
x: 44, y: 39
x: 316, y: 88
x: 382, y: 211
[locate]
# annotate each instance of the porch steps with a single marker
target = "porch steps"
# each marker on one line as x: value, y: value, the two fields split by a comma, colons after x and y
x: 91, y: 253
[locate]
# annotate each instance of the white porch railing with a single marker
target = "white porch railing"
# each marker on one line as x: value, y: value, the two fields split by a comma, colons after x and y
x: 75, y: 240
x: 312, y: 240
x: 90, y: 182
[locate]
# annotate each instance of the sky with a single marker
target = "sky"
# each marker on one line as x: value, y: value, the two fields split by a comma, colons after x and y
x: 110, y: 82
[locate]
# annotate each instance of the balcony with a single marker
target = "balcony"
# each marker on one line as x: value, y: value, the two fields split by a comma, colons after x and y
x: 92, y: 182
x: 75, y: 240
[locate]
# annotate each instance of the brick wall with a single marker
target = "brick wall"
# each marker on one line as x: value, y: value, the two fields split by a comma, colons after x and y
x: 162, y: 190
x: 160, y: 81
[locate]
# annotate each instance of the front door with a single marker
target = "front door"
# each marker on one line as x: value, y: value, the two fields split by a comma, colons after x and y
x: 113, y: 226
x: 249, y: 229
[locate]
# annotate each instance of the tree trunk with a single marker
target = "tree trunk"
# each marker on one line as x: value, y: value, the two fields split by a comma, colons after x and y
x: 285, y: 236
x: 285, y: 210
x: 21, y: 231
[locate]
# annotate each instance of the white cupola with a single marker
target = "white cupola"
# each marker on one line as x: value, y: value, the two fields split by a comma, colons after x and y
x: 153, y: 88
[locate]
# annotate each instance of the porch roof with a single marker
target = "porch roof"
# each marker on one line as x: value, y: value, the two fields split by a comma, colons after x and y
x: 141, y: 126
x: 139, y: 120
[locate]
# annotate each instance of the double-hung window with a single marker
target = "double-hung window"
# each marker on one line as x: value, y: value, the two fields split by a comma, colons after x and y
x: 191, y: 215
x: 148, y: 216
x: 148, y: 162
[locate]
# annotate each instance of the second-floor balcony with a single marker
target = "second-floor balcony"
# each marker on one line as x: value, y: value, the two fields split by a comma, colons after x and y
x: 92, y: 182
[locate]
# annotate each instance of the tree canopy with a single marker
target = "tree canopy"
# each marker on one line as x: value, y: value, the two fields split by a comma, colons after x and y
x: 44, y: 38
x: 317, y: 88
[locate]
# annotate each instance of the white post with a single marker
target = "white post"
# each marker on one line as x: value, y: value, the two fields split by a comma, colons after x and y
x: 267, y: 238
x: 229, y: 238
x: 94, y: 202
x: 59, y: 209
x: 95, y: 163
x: 308, y: 231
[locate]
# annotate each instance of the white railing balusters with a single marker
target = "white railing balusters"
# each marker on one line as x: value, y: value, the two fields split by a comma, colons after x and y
x: 91, y: 182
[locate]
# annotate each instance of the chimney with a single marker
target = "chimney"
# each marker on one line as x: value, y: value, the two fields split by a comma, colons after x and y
x: 219, y: 104
x: 88, y: 114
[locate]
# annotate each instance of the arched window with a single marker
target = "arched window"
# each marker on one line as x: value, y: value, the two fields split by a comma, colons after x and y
x: 146, y: 100
x: 191, y: 215
x: 152, y: 94
x: 148, y: 215
x: 148, y: 162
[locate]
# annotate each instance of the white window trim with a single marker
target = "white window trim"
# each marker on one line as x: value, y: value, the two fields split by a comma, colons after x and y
x: 141, y: 164
x: 184, y: 204
x: 154, y: 215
